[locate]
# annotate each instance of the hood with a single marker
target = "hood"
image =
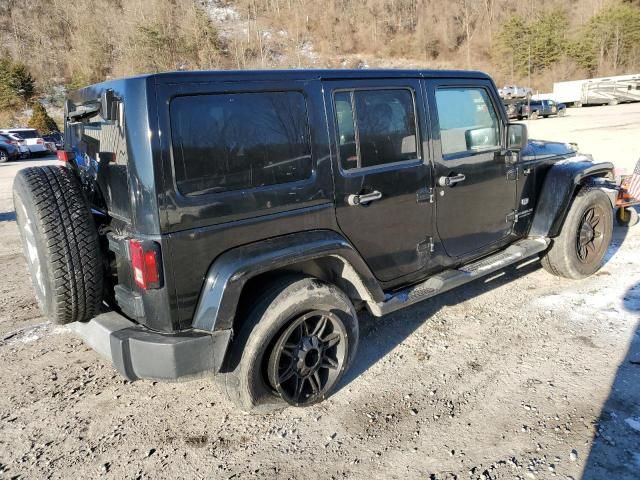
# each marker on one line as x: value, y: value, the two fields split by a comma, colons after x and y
x: 542, y: 150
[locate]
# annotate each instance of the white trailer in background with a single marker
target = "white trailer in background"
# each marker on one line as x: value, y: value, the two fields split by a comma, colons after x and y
x: 598, y: 91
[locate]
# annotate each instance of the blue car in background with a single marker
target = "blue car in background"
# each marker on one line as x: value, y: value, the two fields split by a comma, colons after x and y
x: 8, y: 149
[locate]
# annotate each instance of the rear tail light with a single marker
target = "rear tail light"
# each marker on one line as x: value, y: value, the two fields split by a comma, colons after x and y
x: 145, y: 263
x: 65, y: 155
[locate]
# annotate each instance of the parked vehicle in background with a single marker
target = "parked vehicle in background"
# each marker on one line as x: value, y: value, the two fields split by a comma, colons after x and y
x: 610, y: 92
x: 32, y: 139
x: 542, y: 108
x: 513, y: 91
x: 56, y: 138
x: 275, y: 205
x: 8, y: 149
x: 19, y: 142
x: 513, y: 107
x: 620, y: 88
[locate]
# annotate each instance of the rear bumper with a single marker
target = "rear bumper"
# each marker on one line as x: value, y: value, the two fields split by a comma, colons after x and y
x: 137, y: 352
x: 36, y: 148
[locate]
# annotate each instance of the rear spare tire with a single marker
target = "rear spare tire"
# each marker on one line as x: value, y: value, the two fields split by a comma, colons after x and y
x: 580, y: 248
x: 60, y: 243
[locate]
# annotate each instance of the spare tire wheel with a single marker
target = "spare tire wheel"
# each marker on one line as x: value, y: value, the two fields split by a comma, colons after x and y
x: 60, y: 243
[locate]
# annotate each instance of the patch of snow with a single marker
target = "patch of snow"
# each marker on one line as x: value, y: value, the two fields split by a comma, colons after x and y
x: 634, y: 423
x: 219, y: 11
x: 33, y: 332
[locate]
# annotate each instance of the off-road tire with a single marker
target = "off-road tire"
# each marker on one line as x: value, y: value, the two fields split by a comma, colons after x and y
x: 60, y: 243
x: 244, y: 375
x: 562, y: 258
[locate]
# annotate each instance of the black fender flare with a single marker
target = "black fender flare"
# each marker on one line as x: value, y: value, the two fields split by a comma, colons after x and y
x: 229, y: 273
x: 562, y: 182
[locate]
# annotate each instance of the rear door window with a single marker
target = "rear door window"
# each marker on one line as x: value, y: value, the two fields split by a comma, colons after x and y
x: 236, y: 141
x: 375, y: 127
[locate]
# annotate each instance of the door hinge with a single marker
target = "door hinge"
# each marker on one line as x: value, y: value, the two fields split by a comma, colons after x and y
x: 425, y: 195
x: 512, y: 216
x: 426, y: 246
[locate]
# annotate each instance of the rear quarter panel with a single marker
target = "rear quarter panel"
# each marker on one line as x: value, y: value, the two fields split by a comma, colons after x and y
x: 197, y: 229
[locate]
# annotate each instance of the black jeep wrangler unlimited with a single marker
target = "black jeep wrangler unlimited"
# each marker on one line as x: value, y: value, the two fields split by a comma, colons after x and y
x: 234, y: 223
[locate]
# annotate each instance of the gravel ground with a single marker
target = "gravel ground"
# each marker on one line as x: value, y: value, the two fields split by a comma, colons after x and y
x: 603, y: 131
x: 521, y: 376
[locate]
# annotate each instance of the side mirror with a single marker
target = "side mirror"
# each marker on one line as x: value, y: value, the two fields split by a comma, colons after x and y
x: 517, y: 137
x: 481, y: 138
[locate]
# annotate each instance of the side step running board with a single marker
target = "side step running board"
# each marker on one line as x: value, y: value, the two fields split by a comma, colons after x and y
x: 453, y: 278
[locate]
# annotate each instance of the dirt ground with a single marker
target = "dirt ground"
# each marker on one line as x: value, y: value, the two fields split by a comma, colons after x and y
x: 521, y: 376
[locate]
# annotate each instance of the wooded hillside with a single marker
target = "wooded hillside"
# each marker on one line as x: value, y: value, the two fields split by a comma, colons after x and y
x: 75, y: 42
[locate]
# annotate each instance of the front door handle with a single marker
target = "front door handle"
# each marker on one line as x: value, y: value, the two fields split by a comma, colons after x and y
x: 451, y: 180
x: 363, y: 199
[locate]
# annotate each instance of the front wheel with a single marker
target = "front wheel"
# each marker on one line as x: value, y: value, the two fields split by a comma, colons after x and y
x: 293, y: 347
x: 579, y: 250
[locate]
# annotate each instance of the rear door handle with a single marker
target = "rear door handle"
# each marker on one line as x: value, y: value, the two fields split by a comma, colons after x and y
x: 451, y: 180
x: 363, y: 199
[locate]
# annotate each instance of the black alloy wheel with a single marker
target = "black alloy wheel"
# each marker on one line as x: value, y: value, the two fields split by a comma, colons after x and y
x: 590, y: 238
x: 308, y: 358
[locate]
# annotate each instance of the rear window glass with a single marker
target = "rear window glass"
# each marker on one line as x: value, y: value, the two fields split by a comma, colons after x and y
x: 236, y: 141
x: 28, y: 133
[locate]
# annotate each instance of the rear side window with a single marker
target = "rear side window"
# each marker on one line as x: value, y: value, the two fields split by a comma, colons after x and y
x: 237, y: 141
x: 375, y: 127
x: 468, y: 122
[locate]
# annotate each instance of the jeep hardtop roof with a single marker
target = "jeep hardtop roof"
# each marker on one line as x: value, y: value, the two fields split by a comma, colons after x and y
x: 293, y: 74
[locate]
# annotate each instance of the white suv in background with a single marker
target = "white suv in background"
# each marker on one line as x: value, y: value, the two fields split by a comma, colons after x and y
x: 32, y: 139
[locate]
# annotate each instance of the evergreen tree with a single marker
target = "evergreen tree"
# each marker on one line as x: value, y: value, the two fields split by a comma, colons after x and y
x: 41, y: 121
x: 16, y: 83
x: 611, y: 39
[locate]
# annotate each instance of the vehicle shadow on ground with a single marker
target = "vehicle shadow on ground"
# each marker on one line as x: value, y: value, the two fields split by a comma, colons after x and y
x: 615, y: 452
x: 7, y: 216
x: 381, y: 335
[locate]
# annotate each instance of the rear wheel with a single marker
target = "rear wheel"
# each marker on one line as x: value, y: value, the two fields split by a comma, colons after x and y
x: 60, y: 243
x: 293, y: 347
x: 579, y: 250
